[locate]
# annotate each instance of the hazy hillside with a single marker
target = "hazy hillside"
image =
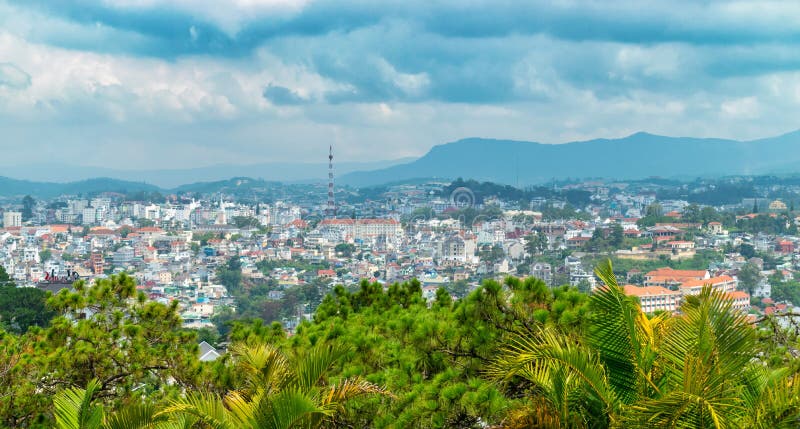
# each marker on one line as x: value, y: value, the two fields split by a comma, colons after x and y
x: 13, y: 187
x: 170, y: 178
x: 636, y: 156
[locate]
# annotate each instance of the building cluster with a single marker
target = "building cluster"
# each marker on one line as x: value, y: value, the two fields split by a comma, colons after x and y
x: 665, y: 288
x: 174, y: 247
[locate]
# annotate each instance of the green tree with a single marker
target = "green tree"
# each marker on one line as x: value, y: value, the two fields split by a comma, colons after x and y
x: 278, y: 392
x: 692, y: 214
x: 345, y: 249
x: 230, y: 275
x: 144, y: 222
x: 617, y: 236
x: 537, y: 243
x: 21, y: 308
x: 5, y: 279
x: 709, y: 214
x: 747, y: 250
x: 28, y: 203
x: 76, y: 408
x: 110, y: 332
x: 654, y: 210
x: 749, y: 277
x: 246, y: 222
x: 699, y: 369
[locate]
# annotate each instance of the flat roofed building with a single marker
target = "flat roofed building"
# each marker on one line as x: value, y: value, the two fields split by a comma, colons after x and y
x: 654, y: 298
x: 741, y: 300
x: 12, y: 219
x: 667, y: 277
x: 722, y: 283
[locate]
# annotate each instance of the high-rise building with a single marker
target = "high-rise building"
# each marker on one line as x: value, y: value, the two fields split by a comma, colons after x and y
x: 12, y: 219
x: 97, y: 263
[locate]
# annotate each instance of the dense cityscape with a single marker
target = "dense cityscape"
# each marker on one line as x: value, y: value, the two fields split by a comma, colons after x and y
x: 223, y: 257
x: 307, y: 214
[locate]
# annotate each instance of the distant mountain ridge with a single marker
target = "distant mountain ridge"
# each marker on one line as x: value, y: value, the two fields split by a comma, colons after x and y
x: 14, y: 187
x: 508, y: 162
x: 636, y: 156
x: 172, y: 178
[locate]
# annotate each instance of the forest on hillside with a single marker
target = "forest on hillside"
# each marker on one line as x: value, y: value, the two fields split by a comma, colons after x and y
x: 511, y: 354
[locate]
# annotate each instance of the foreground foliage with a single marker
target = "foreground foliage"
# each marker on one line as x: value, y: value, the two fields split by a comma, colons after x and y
x: 697, y: 370
x: 510, y: 354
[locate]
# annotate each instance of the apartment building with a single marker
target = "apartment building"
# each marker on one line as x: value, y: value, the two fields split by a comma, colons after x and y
x: 654, y: 298
x: 721, y: 283
x: 12, y: 219
x: 668, y: 277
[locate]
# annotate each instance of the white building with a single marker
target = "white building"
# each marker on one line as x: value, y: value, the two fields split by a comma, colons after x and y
x: 12, y: 219
x: 654, y: 298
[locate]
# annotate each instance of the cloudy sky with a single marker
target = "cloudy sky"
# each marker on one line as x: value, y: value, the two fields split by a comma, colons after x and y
x: 181, y: 83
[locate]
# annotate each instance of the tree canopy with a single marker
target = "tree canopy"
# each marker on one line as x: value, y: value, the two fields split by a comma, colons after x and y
x: 510, y: 353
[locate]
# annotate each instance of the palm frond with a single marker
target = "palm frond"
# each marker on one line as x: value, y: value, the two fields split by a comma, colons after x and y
x: 243, y: 409
x: 549, y: 355
x: 352, y: 388
x: 74, y: 409
x: 290, y: 408
x: 143, y: 416
x: 312, y: 366
x: 778, y: 404
x: 712, y: 331
x: 206, y: 408
x: 263, y: 365
x: 618, y: 331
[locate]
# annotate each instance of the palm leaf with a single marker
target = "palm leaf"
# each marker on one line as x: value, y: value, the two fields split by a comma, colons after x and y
x: 618, y: 331
x: 206, y: 408
x: 557, y: 365
x: 311, y: 367
x: 350, y: 389
x: 263, y: 366
x: 74, y: 410
x: 290, y: 408
x: 144, y: 416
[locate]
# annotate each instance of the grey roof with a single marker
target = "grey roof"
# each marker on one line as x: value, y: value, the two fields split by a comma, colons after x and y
x: 207, y: 352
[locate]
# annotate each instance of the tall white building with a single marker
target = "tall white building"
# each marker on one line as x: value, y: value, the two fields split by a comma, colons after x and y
x: 12, y: 219
x: 89, y: 215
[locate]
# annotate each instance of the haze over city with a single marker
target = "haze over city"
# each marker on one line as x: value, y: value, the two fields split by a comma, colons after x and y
x: 180, y: 84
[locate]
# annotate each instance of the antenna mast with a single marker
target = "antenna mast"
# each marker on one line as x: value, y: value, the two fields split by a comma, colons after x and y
x: 331, y: 210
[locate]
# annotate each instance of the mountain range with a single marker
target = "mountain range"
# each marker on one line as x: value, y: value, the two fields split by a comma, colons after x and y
x: 174, y: 178
x: 510, y: 162
x: 636, y: 156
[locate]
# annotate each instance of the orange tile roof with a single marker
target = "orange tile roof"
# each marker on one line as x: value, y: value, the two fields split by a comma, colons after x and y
x: 738, y: 294
x: 712, y: 281
x: 667, y: 271
x: 337, y: 222
x: 59, y: 228
x: 647, y: 290
x: 668, y: 275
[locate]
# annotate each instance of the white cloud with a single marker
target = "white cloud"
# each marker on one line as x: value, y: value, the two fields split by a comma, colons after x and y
x: 411, y: 86
x: 13, y: 77
x: 229, y: 15
x: 744, y: 108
